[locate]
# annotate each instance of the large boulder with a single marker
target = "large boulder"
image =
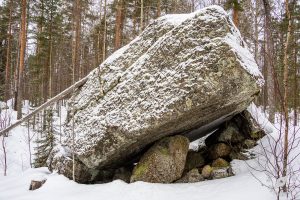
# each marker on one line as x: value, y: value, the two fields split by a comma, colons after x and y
x: 182, y: 73
x: 164, y: 162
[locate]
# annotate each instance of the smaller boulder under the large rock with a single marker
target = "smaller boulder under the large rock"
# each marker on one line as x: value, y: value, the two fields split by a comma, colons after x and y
x: 164, y: 162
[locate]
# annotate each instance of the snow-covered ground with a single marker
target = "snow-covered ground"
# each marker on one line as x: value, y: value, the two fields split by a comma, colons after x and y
x: 239, y: 187
x: 14, y: 186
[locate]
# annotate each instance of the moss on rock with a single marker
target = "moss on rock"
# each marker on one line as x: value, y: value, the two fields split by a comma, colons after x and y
x: 164, y: 162
x: 219, y: 163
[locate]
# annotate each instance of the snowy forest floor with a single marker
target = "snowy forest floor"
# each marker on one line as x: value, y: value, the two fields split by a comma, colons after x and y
x: 15, y: 185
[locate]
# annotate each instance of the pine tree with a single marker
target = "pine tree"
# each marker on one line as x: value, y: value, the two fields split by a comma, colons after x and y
x: 46, y: 140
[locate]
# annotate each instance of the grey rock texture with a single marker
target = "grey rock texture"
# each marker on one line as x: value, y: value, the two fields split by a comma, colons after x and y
x: 164, y: 162
x: 218, y: 173
x: 229, y: 134
x: 180, y: 74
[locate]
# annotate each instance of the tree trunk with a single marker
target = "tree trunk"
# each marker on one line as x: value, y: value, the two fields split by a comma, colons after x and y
x: 99, y: 57
x: 76, y: 39
x: 104, y: 32
x: 256, y: 31
x: 270, y: 75
x: 235, y: 16
x: 8, y: 56
x: 158, y: 13
x: 119, y: 24
x: 142, y: 16
x: 285, y: 98
x: 296, y: 88
x: 22, y: 58
x: 4, y: 155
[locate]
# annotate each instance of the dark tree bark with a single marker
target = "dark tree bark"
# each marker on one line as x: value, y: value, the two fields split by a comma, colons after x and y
x: 119, y: 24
x: 22, y: 59
x: 270, y: 75
x: 8, y: 56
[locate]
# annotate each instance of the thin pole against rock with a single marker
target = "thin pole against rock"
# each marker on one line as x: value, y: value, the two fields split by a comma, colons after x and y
x: 46, y: 104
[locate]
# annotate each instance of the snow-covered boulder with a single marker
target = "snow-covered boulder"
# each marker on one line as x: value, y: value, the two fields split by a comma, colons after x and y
x: 183, y: 72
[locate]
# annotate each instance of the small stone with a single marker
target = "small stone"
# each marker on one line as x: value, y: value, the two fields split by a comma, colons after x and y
x: 192, y: 176
x: 219, y: 150
x: 206, y: 171
x: 234, y: 155
x: 248, y: 144
x: 36, y: 184
x: 224, y: 172
x: 219, y: 163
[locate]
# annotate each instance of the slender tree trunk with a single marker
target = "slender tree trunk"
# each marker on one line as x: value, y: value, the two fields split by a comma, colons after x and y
x: 104, y: 32
x: 22, y: 59
x: 16, y: 76
x: 99, y: 35
x: 50, y: 53
x: 76, y: 39
x: 142, y: 16
x: 192, y: 5
x: 285, y: 98
x: 4, y: 155
x: 119, y: 24
x: 134, y: 20
x: 256, y: 31
x: 29, y: 143
x: 8, y: 56
x: 235, y: 16
x: 158, y: 13
x: 296, y: 88
x: 270, y: 75
x: 265, y: 74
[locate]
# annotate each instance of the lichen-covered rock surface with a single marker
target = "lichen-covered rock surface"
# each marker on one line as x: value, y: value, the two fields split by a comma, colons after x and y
x: 164, y: 162
x: 181, y: 73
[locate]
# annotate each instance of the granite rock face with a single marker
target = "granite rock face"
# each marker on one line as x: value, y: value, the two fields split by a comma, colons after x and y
x: 183, y: 72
